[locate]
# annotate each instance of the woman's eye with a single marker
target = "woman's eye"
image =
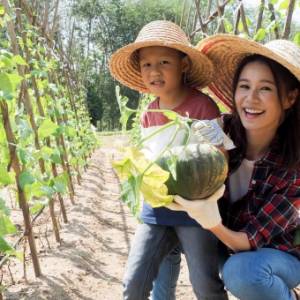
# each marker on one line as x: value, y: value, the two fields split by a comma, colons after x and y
x: 244, y: 86
x: 266, y: 88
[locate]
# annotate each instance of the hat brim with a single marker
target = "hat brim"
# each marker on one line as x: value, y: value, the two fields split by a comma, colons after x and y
x: 125, y: 69
x: 226, y: 52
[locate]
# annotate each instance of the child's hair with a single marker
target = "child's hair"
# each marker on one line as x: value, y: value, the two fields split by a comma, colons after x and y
x: 288, y: 131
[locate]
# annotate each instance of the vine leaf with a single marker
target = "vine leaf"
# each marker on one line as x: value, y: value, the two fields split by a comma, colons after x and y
x: 171, y: 163
x: 26, y: 178
x: 130, y: 193
x: 47, y: 128
x: 6, y: 225
x: 5, y: 176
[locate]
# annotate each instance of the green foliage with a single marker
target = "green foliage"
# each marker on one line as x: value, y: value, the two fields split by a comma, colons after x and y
x: 6, y: 177
x: 94, y: 103
x: 125, y: 111
x: 297, y: 38
x: 39, y: 110
x: 7, y: 228
x: 47, y: 128
x: 135, y: 132
x: 260, y: 35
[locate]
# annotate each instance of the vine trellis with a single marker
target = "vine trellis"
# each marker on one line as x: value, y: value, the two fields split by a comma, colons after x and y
x: 45, y: 134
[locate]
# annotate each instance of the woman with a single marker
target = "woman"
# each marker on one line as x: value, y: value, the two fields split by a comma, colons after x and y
x: 258, y: 216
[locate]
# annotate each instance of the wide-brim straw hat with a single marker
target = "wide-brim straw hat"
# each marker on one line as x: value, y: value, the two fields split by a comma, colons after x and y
x: 227, y: 51
x: 124, y: 65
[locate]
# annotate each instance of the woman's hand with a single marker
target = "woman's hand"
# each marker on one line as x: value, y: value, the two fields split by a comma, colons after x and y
x: 211, y: 131
x: 204, y: 211
x: 208, y: 131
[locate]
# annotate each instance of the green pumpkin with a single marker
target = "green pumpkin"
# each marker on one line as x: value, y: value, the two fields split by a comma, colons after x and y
x: 200, y: 170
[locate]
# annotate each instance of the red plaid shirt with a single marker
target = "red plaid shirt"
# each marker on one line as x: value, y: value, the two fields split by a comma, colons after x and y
x: 269, y: 212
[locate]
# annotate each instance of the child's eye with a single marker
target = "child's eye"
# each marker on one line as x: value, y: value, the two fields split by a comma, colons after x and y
x: 164, y: 62
x: 145, y: 65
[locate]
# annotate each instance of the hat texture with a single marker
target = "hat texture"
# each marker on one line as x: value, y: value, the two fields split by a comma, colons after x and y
x: 124, y: 65
x: 227, y: 51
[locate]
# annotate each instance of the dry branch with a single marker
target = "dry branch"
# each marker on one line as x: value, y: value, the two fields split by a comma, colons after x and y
x: 55, y: 20
x: 260, y: 15
x: 198, y: 14
x: 46, y: 17
x: 288, y: 21
x: 211, y: 17
x: 237, y: 21
x: 243, y: 18
x: 221, y: 27
x: 273, y: 18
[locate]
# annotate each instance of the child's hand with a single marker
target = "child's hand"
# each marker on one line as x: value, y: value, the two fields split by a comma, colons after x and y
x: 204, y: 211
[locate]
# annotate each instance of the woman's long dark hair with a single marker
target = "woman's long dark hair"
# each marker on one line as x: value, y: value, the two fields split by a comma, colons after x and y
x: 289, y: 129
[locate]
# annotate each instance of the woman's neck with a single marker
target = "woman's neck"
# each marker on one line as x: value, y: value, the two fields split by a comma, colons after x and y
x: 174, y: 99
x: 258, y: 144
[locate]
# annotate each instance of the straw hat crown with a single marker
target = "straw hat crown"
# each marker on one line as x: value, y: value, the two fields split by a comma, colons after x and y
x: 229, y: 50
x: 163, y: 31
x: 124, y: 65
x: 289, y: 51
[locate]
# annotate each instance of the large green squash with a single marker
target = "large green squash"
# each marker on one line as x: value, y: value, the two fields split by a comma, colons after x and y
x: 200, y: 170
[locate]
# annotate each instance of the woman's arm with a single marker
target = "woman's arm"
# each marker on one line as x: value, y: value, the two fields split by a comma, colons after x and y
x: 235, y: 240
x: 206, y: 213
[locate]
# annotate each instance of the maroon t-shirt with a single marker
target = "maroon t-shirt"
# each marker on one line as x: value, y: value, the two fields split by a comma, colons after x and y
x: 196, y: 106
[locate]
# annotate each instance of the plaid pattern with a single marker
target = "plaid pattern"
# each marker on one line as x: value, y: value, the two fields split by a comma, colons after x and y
x: 269, y: 212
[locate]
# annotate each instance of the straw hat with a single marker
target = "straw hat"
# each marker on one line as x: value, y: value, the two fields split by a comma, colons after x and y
x: 227, y: 51
x: 124, y: 65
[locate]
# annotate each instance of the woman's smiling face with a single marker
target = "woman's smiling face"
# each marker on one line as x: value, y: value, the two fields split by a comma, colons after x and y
x: 257, y: 98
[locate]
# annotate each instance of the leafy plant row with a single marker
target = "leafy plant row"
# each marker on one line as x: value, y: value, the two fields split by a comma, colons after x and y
x: 45, y: 132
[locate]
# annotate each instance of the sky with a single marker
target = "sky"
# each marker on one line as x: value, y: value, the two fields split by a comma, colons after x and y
x: 255, y: 3
x: 251, y: 2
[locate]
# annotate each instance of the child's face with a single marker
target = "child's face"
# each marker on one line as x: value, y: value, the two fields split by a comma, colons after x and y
x: 257, y: 100
x: 161, y: 69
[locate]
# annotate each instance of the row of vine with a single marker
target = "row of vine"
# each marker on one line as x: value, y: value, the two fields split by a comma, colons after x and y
x: 45, y: 133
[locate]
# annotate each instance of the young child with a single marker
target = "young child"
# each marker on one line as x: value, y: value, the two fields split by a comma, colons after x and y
x: 162, y: 62
x: 258, y: 216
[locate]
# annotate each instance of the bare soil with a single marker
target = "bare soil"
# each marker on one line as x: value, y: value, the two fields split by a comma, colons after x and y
x: 89, y: 262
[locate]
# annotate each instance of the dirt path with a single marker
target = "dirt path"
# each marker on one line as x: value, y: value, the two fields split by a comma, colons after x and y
x: 90, y: 261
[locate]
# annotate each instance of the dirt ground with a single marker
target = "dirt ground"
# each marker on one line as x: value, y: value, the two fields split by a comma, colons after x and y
x: 89, y: 262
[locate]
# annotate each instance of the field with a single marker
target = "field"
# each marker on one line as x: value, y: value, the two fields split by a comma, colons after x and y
x: 89, y: 262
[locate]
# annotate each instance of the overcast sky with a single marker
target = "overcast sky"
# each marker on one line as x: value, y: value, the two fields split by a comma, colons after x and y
x: 255, y: 3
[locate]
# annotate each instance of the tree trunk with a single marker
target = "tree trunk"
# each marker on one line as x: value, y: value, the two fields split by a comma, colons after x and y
x: 287, y: 25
